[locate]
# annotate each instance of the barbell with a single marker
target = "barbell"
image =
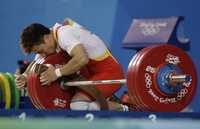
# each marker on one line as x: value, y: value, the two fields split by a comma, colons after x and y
x: 172, y: 80
x: 159, y: 78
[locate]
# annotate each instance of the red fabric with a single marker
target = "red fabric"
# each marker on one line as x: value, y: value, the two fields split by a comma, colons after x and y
x: 108, y: 69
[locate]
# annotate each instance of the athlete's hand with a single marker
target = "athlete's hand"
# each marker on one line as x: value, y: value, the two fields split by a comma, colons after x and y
x: 20, y: 80
x: 48, y: 76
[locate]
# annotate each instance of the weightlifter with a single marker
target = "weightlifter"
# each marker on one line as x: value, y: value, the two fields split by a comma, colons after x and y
x: 87, y: 51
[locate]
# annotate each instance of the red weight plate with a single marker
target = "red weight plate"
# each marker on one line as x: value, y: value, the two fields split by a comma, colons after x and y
x: 150, y: 96
x: 32, y: 87
x: 144, y: 106
x: 132, y: 85
x: 34, y: 94
x: 133, y: 98
x: 30, y: 91
x: 52, y: 96
x: 132, y: 94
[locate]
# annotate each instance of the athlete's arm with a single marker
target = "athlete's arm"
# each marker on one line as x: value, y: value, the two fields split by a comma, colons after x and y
x: 78, y: 60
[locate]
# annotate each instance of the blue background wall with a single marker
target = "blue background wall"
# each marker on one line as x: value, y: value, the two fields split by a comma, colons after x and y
x: 109, y: 19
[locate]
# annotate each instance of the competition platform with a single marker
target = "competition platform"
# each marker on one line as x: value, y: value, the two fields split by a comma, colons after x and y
x: 60, y: 119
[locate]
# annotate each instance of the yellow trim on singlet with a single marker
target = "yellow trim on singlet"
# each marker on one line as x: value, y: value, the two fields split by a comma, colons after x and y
x: 104, y: 56
x: 71, y: 23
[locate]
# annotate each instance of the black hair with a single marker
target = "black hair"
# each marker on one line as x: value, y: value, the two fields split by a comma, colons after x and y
x: 32, y: 35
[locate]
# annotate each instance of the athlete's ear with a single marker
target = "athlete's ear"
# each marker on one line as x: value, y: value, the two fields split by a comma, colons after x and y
x: 46, y: 38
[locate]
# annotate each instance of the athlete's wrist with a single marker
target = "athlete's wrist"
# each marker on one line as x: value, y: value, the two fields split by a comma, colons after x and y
x: 58, y: 72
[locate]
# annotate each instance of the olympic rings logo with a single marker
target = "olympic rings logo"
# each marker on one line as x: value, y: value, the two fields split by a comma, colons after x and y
x: 150, y: 69
x: 187, y: 84
x: 148, y: 80
x: 182, y: 93
x: 59, y: 102
x: 171, y: 59
x: 150, y: 29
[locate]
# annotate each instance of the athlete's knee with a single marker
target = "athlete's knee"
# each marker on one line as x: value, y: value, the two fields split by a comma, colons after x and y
x: 84, y: 105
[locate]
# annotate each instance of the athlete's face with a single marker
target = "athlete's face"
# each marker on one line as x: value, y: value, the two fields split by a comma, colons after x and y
x: 46, y: 47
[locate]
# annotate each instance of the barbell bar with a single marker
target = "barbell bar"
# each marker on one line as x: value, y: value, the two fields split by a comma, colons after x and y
x: 172, y: 79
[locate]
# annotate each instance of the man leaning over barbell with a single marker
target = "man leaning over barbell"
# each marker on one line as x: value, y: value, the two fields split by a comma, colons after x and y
x: 86, y: 50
